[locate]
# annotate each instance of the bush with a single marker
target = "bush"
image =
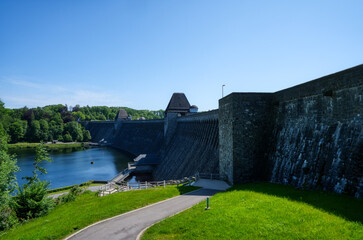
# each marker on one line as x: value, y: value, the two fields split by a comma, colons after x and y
x: 67, y: 138
x: 32, y: 201
x: 71, y: 196
x: 76, y: 190
x: 7, y: 218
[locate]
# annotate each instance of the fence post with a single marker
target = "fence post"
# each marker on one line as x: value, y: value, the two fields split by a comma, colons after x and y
x: 146, y: 184
x: 127, y: 186
x: 164, y: 183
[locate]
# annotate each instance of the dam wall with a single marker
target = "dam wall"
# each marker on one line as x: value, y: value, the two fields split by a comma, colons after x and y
x: 101, y: 130
x: 193, y: 147
x: 318, y: 134
x: 309, y: 136
x: 139, y: 137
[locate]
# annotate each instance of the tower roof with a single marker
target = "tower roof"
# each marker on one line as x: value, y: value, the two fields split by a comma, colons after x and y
x: 178, y: 103
x: 122, y: 114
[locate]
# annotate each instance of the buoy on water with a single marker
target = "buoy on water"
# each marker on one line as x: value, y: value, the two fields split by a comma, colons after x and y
x: 92, y: 162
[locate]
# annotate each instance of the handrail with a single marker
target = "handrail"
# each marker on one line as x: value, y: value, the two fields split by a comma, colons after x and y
x: 113, y: 187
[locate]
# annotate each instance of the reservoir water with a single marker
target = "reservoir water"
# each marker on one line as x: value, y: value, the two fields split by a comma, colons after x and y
x: 72, y: 166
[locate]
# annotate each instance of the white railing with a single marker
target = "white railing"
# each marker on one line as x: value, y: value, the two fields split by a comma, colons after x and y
x: 111, y: 187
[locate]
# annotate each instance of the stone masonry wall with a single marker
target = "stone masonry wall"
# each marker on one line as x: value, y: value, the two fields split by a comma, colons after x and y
x: 309, y: 136
x: 318, y: 134
x: 101, y: 130
x: 193, y: 147
x: 139, y: 137
x: 245, y: 129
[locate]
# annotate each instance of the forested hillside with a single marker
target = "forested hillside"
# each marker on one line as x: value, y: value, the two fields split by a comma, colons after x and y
x: 58, y: 122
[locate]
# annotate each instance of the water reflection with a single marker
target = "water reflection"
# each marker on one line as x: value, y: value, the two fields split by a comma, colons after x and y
x: 73, y: 166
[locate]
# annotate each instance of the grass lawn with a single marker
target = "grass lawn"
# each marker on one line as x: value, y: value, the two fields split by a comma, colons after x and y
x: 266, y: 211
x: 66, y: 189
x: 49, y: 146
x: 87, y: 209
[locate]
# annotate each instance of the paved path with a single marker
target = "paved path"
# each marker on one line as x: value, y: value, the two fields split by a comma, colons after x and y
x: 212, y: 184
x: 129, y: 225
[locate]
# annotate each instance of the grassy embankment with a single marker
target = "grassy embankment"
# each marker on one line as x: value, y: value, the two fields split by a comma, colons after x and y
x: 87, y: 209
x: 49, y: 146
x: 67, y: 188
x: 266, y: 211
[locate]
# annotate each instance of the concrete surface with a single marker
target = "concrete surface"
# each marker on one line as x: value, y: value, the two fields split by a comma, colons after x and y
x: 212, y: 184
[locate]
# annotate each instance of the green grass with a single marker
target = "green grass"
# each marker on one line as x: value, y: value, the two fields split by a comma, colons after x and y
x: 67, y: 188
x: 49, y: 146
x: 266, y: 211
x: 87, y: 209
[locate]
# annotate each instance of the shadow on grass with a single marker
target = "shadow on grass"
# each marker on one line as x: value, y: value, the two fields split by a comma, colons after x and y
x: 186, y: 189
x: 344, y: 206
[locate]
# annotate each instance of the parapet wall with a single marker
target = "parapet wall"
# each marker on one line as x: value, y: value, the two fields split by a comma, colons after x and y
x: 193, y: 147
x: 309, y: 136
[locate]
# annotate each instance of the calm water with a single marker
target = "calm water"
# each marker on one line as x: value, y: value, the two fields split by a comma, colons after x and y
x: 73, y: 167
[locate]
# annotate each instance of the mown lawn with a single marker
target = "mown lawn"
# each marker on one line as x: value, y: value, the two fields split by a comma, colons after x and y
x: 266, y: 211
x: 87, y: 209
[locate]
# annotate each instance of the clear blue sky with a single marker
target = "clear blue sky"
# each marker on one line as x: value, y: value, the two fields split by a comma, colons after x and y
x: 137, y: 53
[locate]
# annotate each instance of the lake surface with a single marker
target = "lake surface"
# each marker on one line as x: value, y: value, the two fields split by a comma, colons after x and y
x: 72, y: 166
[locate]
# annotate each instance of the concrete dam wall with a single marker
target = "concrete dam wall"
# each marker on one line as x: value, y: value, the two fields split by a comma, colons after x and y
x: 134, y: 137
x: 138, y: 137
x: 309, y: 136
x: 193, y: 147
x: 101, y: 130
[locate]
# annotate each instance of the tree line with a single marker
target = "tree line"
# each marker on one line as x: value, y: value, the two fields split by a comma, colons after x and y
x: 59, y: 122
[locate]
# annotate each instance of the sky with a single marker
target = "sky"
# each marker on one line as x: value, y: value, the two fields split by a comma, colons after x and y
x: 138, y: 53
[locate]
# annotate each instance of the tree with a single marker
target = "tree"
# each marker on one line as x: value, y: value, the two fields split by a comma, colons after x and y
x: 75, y: 130
x: 44, y: 130
x: 8, y: 184
x: 34, y: 131
x: 17, y: 131
x: 86, y: 136
x: 67, y: 137
x: 31, y: 199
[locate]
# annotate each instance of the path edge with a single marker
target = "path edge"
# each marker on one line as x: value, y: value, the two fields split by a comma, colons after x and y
x: 107, y: 219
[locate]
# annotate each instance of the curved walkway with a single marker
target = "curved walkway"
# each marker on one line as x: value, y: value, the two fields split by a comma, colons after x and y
x: 130, y: 224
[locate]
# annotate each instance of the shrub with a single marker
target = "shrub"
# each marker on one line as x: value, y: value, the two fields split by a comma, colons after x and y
x: 67, y: 138
x: 32, y: 201
x: 7, y: 218
x: 71, y: 196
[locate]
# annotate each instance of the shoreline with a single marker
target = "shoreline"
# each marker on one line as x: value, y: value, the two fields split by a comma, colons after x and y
x: 58, y: 145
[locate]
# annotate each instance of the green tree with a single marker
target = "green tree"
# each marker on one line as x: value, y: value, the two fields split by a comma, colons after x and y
x: 16, y: 131
x: 8, y: 184
x: 75, y: 130
x: 44, y: 130
x: 86, y: 136
x: 67, y: 137
x: 34, y: 131
x: 31, y: 199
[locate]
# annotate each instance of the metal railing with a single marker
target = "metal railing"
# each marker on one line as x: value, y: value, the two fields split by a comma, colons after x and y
x: 112, y: 187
